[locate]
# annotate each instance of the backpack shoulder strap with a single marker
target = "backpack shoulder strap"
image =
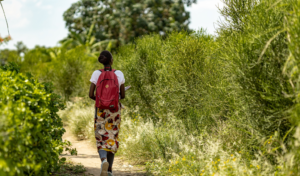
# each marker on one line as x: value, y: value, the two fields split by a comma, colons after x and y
x: 114, y: 70
x: 101, y: 70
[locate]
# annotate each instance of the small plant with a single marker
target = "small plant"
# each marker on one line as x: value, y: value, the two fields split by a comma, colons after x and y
x: 68, y: 168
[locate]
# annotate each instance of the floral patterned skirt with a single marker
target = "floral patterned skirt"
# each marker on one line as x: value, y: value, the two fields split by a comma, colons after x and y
x: 107, y: 127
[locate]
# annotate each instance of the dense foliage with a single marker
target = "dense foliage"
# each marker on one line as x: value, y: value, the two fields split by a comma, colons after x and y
x: 163, y: 73
x: 126, y: 20
x: 199, y: 104
x: 258, y: 49
x: 31, y: 131
x: 67, y: 69
x: 241, y: 86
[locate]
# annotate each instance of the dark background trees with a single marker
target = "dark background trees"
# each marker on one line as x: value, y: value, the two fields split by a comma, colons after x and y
x: 125, y: 20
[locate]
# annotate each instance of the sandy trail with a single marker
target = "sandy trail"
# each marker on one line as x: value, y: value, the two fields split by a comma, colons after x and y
x: 89, y: 158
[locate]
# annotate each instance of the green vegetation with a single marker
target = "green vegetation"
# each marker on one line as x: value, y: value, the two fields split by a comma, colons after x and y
x: 199, y: 104
x: 70, y: 169
x: 126, y: 20
x: 225, y: 105
x: 65, y: 68
x: 31, y: 131
x: 77, y: 116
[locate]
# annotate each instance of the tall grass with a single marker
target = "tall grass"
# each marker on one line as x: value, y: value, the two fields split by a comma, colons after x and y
x: 78, y: 118
x: 169, y: 149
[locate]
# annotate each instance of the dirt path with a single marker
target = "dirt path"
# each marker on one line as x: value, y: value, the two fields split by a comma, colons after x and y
x: 89, y: 158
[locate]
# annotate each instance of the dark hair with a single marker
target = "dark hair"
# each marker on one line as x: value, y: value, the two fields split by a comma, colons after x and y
x: 105, y: 57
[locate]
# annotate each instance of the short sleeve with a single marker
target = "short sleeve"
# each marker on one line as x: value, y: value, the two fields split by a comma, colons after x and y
x: 95, y: 76
x: 122, y: 78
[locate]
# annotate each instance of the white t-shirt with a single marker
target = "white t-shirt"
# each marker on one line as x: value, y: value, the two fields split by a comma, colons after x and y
x: 97, y: 73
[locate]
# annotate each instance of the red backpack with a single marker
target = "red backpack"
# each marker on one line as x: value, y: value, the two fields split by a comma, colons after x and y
x: 107, y: 91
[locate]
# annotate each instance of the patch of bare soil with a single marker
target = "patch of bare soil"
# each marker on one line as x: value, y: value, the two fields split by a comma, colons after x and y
x: 89, y: 158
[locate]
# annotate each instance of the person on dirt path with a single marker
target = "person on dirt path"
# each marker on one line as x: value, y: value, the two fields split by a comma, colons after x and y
x: 107, y: 121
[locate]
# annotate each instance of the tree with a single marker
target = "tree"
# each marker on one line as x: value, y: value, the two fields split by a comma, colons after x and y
x: 7, y: 55
x: 86, y: 39
x: 21, y: 47
x: 125, y: 20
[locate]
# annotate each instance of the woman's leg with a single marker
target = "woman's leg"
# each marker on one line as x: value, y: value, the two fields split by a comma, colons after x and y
x: 110, y: 159
x: 102, y: 154
x: 105, y: 164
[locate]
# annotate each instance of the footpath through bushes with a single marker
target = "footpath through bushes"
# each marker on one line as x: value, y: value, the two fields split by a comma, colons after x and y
x: 217, y: 105
x: 31, y: 131
x: 201, y: 104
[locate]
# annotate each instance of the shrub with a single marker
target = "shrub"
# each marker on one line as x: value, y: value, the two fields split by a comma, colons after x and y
x: 253, y: 42
x: 70, y: 72
x: 30, y: 129
x: 292, y: 24
x: 178, y: 75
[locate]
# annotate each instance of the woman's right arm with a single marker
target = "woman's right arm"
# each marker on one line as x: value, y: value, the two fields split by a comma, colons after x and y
x: 92, y: 90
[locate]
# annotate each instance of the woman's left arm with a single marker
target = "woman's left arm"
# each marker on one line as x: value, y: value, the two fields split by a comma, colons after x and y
x: 122, y: 91
x: 92, y: 90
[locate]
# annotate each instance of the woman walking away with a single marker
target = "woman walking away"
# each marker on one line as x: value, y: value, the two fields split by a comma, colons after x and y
x: 109, y: 86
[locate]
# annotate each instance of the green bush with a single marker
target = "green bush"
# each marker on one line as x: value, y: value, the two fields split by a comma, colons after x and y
x: 253, y: 41
x: 292, y: 26
x: 179, y: 75
x: 68, y: 69
x: 30, y: 130
x: 70, y: 72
